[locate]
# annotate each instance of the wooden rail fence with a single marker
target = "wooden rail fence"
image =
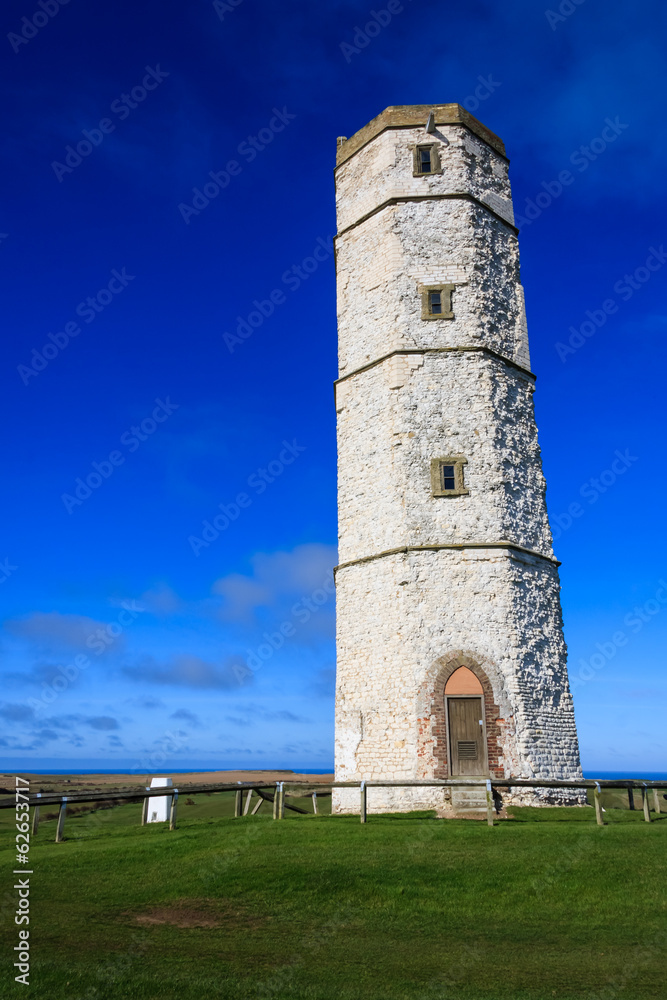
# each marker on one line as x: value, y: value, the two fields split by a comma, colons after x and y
x: 276, y: 793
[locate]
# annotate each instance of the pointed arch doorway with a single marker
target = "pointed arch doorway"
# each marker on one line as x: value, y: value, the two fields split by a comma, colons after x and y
x: 464, y: 709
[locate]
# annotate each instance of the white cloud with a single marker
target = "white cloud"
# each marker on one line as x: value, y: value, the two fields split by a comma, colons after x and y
x: 191, y: 671
x: 51, y: 630
x: 278, y: 580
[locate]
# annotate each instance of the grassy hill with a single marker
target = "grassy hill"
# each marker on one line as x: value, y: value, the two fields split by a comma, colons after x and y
x: 545, y: 904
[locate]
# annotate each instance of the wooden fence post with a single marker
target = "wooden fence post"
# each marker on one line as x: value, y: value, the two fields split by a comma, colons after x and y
x: 281, y: 801
x: 275, y: 800
x: 631, y: 797
x: 314, y: 803
x: 598, y: 805
x: 647, y: 811
x: 489, y: 804
x: 656, y: 801
x: 363, y: 804
x: 61, y: 820
x: 35, y: 817
x: 144, y: 810
x: 172, y: 810
x: 247, y: 802
x: 238, y: 803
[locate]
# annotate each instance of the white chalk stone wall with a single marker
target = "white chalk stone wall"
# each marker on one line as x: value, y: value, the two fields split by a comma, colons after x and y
x: 450, y: 403
x: 475, y: 575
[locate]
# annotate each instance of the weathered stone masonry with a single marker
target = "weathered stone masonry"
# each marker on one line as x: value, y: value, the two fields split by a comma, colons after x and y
x: 428, y: 583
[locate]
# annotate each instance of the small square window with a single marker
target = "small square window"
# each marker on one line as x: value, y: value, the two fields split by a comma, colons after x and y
x: 437, y: 302
x: 426, y: 160
x: 447, y: 477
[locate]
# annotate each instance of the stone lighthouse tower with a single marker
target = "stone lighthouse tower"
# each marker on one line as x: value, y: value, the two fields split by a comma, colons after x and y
x: 451, y: 659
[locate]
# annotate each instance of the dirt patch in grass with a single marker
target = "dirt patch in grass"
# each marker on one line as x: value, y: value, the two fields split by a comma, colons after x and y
x: 198, y: 913
x: 176, y: 917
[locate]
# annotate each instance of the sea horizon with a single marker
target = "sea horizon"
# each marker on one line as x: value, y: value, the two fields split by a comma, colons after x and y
x: 588, y: 774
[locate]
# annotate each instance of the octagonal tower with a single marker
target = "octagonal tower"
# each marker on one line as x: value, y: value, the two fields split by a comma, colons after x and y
x: 450, y: 652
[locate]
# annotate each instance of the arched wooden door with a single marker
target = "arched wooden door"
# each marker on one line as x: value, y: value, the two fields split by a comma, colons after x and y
x: 464, y: 704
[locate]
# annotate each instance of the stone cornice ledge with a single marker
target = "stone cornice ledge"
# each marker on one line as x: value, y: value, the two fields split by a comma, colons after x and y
x: 432, y: 196
x: 403, y: 549
x: 462, y: 348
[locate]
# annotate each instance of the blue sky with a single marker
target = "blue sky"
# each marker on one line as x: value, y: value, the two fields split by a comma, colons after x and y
x: 127, y: 622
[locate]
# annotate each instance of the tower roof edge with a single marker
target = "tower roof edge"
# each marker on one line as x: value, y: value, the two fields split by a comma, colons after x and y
x: 411, y: 115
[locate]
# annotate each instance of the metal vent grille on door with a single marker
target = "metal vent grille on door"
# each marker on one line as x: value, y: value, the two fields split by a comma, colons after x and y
x: 467, y: 749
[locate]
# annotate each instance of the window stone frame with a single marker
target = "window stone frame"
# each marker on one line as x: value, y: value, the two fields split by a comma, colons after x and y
x: 436, y: 165
x: 446, y: 300
x: 458, y: 461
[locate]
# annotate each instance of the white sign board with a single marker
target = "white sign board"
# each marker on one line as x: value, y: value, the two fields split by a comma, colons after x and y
x: 158, y: 807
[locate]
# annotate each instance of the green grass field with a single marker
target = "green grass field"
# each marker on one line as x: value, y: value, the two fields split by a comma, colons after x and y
x: 543, y: 905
